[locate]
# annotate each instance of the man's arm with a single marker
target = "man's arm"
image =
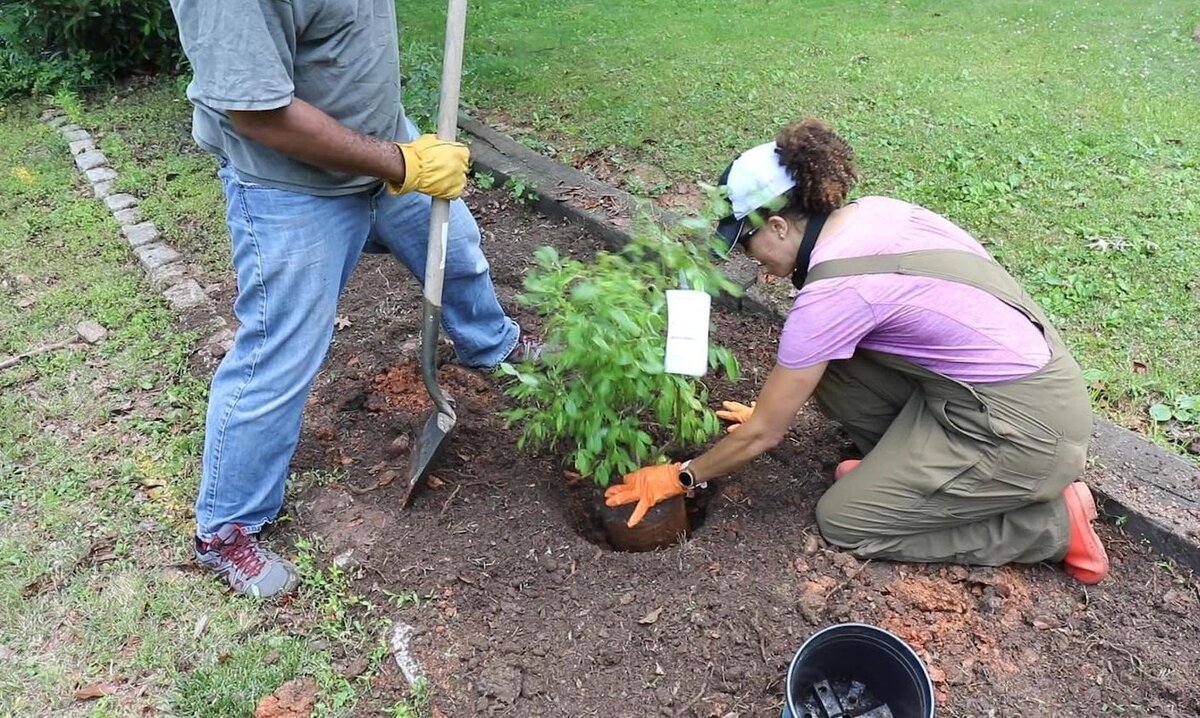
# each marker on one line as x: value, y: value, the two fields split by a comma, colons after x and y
x: 304, y: 132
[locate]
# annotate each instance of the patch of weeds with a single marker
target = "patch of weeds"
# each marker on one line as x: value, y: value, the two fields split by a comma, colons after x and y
x: 416, y: 705
x: 408, y: 598
x: 234, y: 682
x: 520, y: 190
x: 342, y: 613
x: 485, y: 180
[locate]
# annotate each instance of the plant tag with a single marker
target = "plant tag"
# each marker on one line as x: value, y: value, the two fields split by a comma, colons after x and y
x: 687, y: 331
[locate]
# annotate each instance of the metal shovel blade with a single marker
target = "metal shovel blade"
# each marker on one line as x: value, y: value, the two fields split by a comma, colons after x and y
x: 428, y: 451
x: 433, y: 439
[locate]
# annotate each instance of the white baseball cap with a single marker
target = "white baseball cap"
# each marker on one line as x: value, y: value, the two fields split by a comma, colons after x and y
x: 752, y: 181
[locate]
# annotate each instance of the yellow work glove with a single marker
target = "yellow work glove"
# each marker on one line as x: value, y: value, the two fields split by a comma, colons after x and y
x: 647, y: 486
x: 737, y: 413
x: 434, y: 167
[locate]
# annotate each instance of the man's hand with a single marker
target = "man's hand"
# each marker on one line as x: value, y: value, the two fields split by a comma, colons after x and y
x: 737, y: 413
x: 647, y: 486
x: 434, y: 167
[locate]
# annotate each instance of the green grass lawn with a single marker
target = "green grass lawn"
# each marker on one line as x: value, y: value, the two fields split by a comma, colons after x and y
x: 1061, y: 134
x: 99, y: 454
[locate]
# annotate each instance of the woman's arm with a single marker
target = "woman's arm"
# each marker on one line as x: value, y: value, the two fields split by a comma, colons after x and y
x: 781, y: 398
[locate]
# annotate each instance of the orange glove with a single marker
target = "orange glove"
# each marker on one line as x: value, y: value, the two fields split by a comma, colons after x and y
x: 737, y: 413
x: 647, y: 486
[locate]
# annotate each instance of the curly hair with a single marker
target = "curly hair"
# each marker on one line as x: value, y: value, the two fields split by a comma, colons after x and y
x: 821, y: 163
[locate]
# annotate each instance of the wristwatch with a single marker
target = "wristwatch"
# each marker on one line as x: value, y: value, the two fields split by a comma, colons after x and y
x: 688, y: 479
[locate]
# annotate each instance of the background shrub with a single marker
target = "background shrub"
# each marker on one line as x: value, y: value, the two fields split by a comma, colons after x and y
x: 47, y: 45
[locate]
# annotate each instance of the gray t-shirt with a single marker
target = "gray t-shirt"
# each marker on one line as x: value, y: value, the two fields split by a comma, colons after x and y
x: 342, y: 56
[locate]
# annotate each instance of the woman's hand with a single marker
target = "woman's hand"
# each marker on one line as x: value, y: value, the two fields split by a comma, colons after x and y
x: 737, y: 413
x: 647, y: 486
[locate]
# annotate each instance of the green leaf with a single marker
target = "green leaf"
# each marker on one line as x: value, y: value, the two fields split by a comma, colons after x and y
x: 1160, y: 412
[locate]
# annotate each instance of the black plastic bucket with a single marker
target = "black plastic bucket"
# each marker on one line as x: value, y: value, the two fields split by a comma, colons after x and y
x: 871, y: 656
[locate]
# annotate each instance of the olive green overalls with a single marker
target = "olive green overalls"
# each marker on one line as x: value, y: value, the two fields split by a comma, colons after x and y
x: 953, y: 472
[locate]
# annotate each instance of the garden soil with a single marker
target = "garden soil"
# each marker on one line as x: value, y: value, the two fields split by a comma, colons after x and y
x: 522, y: 610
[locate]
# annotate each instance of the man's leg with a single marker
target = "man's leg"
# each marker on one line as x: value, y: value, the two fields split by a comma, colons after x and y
x: 292, y: 253
x: 924, y: 494
x: 483, y: 334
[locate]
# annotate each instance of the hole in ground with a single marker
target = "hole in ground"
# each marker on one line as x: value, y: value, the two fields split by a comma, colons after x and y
x: 586, y: 514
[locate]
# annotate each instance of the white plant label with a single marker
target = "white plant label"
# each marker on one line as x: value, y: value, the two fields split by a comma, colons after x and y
x: 687, y: 331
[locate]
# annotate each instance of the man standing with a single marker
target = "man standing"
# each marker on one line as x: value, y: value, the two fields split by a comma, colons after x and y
x: 301, y: 104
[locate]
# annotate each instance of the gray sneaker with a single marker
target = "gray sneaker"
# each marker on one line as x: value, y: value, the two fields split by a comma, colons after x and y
x: 250, y: 568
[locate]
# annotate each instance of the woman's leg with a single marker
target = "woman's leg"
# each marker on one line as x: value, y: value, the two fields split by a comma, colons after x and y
x: 864, y: 397
x: 924, y: 493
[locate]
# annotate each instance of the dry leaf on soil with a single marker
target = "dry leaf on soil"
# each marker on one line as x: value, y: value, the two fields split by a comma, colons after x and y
x: 651, y: 617
x: 93, y: 691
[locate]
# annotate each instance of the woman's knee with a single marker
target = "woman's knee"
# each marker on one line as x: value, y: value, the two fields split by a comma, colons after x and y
x: 835, y: 520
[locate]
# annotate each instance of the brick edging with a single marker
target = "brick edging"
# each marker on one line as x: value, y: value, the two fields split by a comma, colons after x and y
x: 166, y: 269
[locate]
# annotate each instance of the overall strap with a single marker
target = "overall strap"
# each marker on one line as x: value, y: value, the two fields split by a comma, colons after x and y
x: 954, y: 265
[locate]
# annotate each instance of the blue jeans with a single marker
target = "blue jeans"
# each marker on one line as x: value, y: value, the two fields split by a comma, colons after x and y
x: 293, y: 254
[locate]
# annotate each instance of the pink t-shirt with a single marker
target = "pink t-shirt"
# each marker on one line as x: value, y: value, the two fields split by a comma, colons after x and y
x: 948, y: 327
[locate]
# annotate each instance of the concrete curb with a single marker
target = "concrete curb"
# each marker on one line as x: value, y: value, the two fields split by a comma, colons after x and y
x: 165, y: 268
x: 1153, y: 494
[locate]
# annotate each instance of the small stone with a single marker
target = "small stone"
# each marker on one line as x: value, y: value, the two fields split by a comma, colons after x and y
x: 156, y: 254
x: 91, y: 331
x: 127, y: 216
x: 399, y: 446
x: 80, y: 146
x: 74, y: 133
x: 353, y: 667
x: 102, y: 189
x: 57, y: 121
x: 50, y: 113
x: 90, y: 160
x: 120, y: 201
x: 139, y: 234
x: 1045, y: 623
x: 167, y: 275
x: 185, y: 295
x: 811, y: 545
x: 101, y: 174
x: 24, y: 280
x: 219, y: 344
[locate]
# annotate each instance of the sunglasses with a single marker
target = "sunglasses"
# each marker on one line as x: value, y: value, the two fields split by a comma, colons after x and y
x: 748, y: 229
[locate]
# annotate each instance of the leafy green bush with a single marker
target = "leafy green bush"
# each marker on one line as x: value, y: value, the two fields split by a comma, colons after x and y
x: 46, y: 45
x: 600, y: 390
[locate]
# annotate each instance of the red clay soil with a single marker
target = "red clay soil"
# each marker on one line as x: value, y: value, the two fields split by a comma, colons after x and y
x: 530, y: 614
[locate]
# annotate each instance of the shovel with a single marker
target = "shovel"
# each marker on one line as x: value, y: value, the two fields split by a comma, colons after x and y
x: 435, y: 435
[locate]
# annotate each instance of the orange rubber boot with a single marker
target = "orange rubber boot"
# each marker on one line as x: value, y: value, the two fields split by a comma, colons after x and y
x: 845, y: 467
x: 1086, y: 559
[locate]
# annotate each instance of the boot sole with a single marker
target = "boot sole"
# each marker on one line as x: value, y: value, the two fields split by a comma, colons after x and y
x: 1084, y: 508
